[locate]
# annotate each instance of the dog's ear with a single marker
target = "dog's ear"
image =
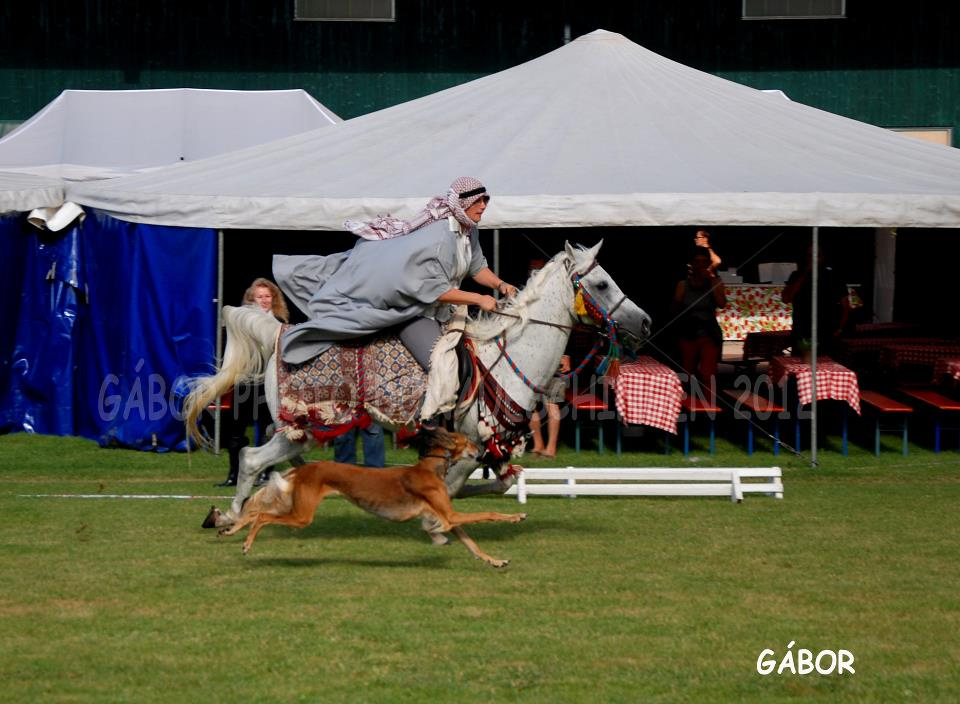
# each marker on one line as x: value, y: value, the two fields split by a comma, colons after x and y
x: 429, y: 438
x: 447, y: 440
x: 424, y: 440
x: 441, y: 435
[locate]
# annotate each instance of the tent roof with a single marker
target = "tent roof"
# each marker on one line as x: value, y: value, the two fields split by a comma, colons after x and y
x: 23, y: 192
x: 598, y: 132
x: 92, y: 134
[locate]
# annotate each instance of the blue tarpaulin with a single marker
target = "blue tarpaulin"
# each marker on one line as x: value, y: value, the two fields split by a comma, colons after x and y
x: 39, y: 393
x: 13, y: 253
x: 103, y: 336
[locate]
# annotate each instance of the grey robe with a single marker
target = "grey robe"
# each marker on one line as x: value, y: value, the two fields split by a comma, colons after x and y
x: 374, y: 286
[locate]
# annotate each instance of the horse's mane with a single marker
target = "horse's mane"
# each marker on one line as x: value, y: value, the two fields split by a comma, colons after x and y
x: 488, y: 325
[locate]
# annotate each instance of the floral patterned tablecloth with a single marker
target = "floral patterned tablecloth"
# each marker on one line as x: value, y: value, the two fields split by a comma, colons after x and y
x: 754, y: 308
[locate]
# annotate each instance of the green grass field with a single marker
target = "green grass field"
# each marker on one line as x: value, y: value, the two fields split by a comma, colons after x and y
x: 606, y: 600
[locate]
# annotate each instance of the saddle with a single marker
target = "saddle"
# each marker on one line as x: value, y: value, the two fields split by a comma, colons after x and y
x: 370, y: 380
x: 351, y: 385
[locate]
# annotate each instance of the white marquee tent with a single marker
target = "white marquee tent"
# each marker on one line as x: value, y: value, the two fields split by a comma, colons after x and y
x: 598, y: 132
x: 97, y: 134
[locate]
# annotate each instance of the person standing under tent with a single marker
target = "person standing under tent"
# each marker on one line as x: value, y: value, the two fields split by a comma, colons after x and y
x: 554, y: 394
x: 702, y: 239
x: 374, y: 449
x: 249, y: 402
x: 695, y: 303
x: 833, y: 305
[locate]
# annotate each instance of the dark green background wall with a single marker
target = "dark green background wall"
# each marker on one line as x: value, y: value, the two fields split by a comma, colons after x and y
x: 895, y: 66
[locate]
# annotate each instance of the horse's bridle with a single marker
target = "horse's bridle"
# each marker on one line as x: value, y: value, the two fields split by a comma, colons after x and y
x: 577, y: 278
x: 594, y: 310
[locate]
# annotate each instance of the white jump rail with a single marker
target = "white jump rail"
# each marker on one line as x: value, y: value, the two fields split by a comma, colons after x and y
x: 648, y: 481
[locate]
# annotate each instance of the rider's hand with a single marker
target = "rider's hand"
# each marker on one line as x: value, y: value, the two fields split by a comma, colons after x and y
x: 487, y: 303
x: 505, y: 289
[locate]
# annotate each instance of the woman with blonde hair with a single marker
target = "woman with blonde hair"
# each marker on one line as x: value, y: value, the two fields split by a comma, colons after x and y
x: 268, y: 296
x: 249, y: 403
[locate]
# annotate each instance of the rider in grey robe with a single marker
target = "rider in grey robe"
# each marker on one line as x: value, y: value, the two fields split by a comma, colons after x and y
x: 377, y: 285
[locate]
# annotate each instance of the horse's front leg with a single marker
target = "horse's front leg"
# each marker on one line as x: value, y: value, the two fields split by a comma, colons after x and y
x: 457, y: 482
x: 458, y: 474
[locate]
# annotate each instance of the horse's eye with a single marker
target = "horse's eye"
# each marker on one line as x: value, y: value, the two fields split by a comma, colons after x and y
x: 603, y: 285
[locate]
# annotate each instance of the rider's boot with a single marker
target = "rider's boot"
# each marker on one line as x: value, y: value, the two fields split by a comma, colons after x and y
x: 231, y: 479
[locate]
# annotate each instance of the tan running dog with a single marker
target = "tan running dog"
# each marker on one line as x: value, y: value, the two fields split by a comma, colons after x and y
x: 395, y: 493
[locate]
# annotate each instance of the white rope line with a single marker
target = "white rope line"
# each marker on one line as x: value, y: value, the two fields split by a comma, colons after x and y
x: 119, y: 496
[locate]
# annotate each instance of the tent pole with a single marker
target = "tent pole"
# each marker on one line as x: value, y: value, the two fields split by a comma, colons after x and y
x: 496, y: 255
x: 217, y: 302
x: 814, y: 341
x: 884, y: 268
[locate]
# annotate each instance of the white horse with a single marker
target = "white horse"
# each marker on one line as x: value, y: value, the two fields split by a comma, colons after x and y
x: 532, y: 328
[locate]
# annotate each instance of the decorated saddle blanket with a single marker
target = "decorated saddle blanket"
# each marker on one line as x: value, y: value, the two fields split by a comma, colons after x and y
x: 349, y: 385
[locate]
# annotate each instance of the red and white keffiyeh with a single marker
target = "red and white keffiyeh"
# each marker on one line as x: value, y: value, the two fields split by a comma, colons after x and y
x: 463, y: 192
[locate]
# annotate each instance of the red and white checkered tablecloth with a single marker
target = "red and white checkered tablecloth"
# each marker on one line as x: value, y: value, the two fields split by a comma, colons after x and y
x: 947, y: 366
x: 648, y: 393
x: 834, y: 381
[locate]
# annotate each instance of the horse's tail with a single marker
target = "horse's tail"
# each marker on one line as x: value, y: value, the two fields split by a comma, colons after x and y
x: 251, y: 336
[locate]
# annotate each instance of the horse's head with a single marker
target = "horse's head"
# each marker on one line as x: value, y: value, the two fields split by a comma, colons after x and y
x: 632, y: 322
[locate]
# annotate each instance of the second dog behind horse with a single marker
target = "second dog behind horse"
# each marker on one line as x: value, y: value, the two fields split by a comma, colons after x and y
x: 395, y: 493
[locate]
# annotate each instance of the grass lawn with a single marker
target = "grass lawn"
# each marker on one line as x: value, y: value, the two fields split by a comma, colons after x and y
x: 606, y: 599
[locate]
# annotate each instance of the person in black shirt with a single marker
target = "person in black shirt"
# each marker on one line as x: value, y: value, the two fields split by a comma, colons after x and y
x: 696, y: 301
x: 833, y: 305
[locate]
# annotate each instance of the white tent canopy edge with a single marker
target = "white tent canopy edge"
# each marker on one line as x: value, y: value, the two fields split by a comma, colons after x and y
x: 24, y: 192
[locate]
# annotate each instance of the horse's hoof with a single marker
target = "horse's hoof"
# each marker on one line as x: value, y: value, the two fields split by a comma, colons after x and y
x: 439, y: 539
x: 225, y: 520
x: 211, y: 520
x: 500, y: 563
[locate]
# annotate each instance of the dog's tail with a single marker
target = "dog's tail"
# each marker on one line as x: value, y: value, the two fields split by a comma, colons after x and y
x: 251, y: 336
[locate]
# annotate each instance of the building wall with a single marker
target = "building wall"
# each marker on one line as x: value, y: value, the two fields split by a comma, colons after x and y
x: 882, y: 64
